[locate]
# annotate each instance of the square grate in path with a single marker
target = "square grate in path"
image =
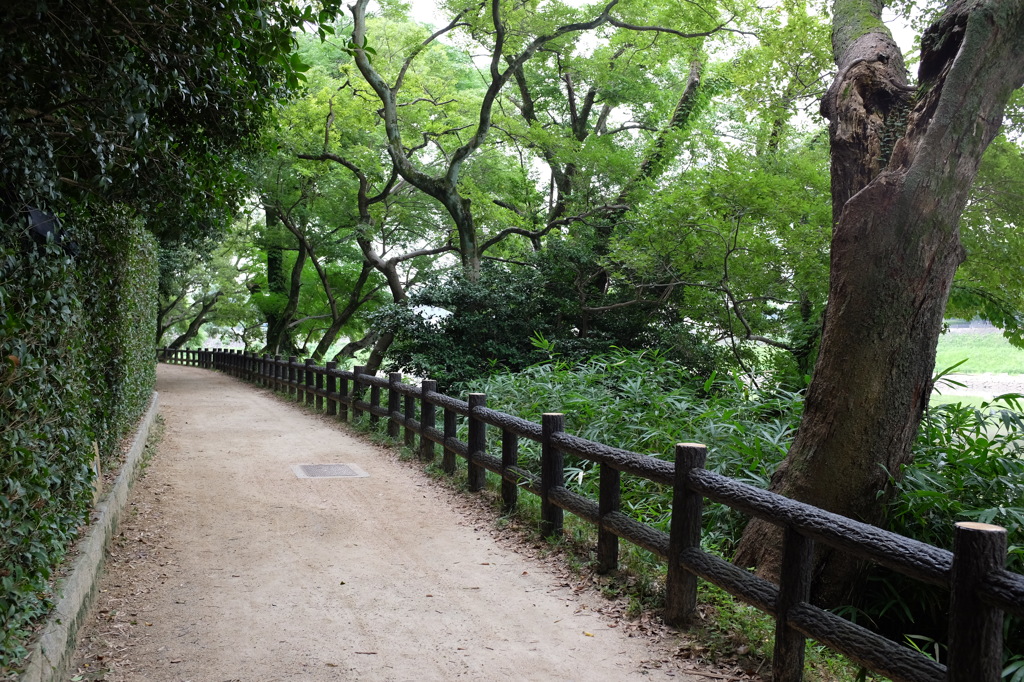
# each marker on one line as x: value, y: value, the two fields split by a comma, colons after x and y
x: 328, y: 471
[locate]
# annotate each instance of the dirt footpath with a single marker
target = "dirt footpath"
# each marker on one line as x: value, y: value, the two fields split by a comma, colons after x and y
x: 230, y: 567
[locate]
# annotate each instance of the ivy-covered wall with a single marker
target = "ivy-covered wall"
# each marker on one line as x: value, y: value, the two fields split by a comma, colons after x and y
x: 76, y: 366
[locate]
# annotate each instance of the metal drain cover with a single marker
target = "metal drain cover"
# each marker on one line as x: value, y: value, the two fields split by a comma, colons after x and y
x: 328, y: 471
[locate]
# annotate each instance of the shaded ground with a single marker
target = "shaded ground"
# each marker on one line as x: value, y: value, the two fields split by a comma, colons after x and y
x: 229, y: 567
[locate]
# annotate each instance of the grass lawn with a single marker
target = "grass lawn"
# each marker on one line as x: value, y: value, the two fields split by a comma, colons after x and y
x: 985, y: 352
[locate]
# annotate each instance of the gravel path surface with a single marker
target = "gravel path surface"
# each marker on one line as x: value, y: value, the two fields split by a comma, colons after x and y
x: 985, y: 386
x: 230, y: 567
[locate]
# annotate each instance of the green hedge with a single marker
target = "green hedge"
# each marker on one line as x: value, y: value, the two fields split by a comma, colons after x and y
x: 76, y: 366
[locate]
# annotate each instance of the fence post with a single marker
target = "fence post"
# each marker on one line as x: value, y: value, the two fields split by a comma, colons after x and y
x: 278, y: 373
x: 509, y: 458
x: 293, y: 378
x: 332, y: 389
x: 262, y: 366
x: 477, y: 441
x: 428, y: 419
x: 394, y: 400
x: 318, y: 377
x: 374, y: 401
x: 552, y: 474
x: 356, y: 371
x: 345, y: 397
x: 609, y: 500
x: 310, y: 382
x: 794, y: 587
x: 975, y: 628
x: 450, y: 431
x: 684, y: 533
x: 410, y: 416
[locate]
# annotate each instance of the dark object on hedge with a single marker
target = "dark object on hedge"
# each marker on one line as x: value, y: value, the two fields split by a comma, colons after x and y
x: 39, y: 225
x: 43, y: 226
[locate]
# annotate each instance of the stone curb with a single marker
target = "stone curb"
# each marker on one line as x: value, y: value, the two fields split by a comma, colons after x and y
x: 50, y: 655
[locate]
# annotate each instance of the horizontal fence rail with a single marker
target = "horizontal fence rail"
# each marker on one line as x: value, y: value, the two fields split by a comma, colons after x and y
x: 981, y: 589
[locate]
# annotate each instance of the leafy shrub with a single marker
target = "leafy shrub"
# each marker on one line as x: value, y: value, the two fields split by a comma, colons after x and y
x: 645, y: 402
x: 76, y: 366
x: 489, y: 326
x: 967, y: 465
x: 44, y: 430
x: 118, y: 275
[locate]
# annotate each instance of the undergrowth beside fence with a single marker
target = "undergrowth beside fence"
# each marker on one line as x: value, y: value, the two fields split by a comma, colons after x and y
x: 968, y: 465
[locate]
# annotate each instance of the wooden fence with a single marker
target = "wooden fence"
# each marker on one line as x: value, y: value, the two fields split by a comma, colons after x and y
x: 981, y: 589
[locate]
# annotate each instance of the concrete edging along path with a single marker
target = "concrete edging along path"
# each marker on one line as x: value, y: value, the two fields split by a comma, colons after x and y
x: 231, y: 567
x: 50, y: 655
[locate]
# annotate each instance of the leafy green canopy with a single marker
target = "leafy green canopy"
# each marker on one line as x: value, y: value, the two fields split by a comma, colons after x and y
x: 133, y: 100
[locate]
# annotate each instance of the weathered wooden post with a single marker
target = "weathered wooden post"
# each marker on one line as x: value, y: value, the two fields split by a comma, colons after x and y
x: 410, y: 416
x: 332, y: 389
x: 356, y: 371
x: 293, y: 382
x: 552, y: 474
x: 609, y: 500
x: 394, y: 399
x: 975, y: 628
x: 318, y: 377
x: 794, y: 587
x: 374, y: 401
x: 265, y: 370
x: 509, y: 458
x: 278, y: 369
x: 345, y: 397
x: 450, y: 431
x: 310, y: 382
x: 684, y: 533
x: 428, y: 419
x: 477, y: 441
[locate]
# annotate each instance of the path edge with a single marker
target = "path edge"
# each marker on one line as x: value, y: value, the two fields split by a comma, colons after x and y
x: 50, y: 655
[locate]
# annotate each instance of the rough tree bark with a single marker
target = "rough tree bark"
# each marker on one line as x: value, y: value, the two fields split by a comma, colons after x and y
x: 279, y: 338
x: 902, y: 168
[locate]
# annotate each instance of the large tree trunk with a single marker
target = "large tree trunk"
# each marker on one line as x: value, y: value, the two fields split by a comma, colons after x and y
x: 895, y: 249
x: 279, y: 326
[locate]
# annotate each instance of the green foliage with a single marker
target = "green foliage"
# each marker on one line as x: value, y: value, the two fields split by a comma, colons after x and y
x: 128, y: 100
x: 460, y: 330
x: 76, y: 367
x: 118, y: 275
x: 44, y: 429
x: 967, y: 467
x: 644, y: 402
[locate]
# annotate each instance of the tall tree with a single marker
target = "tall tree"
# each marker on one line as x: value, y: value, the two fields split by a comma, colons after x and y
x: 903, y: 161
